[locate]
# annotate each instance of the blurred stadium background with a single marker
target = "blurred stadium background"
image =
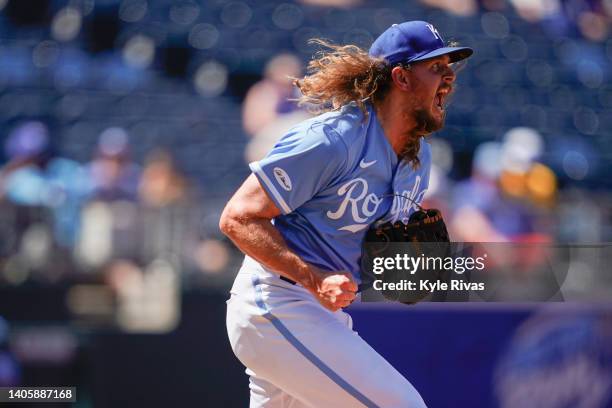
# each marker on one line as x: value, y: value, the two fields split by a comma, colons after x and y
x: 125, y: 125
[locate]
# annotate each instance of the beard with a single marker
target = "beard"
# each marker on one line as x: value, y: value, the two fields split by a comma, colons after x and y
x: 410, y: 151
x: 426, y: 122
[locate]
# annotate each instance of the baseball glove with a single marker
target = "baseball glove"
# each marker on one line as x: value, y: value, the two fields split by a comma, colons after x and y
x: 424, y: 236
x: 423, y: 226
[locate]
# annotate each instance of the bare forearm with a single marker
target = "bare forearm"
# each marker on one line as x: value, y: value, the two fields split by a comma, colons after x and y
x: 260, y: 240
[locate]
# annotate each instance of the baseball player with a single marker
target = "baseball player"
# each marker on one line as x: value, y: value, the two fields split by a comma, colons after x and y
x: 301, y: 216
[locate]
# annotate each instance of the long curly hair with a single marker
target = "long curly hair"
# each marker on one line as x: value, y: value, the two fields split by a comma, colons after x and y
x: 342, y: 74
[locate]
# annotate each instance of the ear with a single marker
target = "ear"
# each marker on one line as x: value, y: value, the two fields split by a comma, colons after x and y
x: 401, y: 78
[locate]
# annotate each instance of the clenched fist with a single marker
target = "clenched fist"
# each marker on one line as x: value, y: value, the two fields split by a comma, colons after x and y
x: 334, y: 290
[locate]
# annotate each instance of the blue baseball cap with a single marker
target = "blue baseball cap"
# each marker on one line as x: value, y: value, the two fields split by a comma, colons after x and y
x: 414, y: 41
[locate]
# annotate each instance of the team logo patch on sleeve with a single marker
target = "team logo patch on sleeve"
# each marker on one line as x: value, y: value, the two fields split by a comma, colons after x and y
x: 282, y: 178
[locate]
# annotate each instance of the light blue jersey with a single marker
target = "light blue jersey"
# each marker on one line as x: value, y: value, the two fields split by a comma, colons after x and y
x: 332, y: 176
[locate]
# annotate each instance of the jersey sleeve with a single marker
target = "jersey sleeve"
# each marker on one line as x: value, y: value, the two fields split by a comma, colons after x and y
x: 300, y: 165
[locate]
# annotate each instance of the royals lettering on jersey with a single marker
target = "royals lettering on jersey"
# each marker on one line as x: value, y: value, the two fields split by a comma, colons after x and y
x: 363, y: 205
x: 332, y: 177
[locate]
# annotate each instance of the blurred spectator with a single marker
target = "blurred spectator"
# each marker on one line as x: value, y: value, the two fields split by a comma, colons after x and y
x: 170, y: 216
x: 462, y: 8
x: 499, y: 202
x: 161, y: 183
x: 268, y: 111
x: 170, y: 219
x: 109, y: 220
x: 113, y: 174
x: 270, y: 98
x: 535, y: 10
x: 163, y: 223
x: 35, y: 177
x: 22, y: 179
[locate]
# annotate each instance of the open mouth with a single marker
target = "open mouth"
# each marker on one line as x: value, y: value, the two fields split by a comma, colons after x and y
x: 441, y: 98
x: 439, y: 101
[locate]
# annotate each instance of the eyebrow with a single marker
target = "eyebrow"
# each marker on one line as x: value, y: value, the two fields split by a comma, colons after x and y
x: 440, y: 60
x: 430, y: 63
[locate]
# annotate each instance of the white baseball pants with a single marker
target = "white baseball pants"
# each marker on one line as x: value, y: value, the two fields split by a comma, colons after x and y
x: 299, y: 354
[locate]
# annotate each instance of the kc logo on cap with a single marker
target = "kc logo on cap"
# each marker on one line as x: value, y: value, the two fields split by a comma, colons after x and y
x: 434, y: 31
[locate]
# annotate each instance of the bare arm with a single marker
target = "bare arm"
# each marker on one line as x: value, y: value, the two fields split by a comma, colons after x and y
x: 246, y: 221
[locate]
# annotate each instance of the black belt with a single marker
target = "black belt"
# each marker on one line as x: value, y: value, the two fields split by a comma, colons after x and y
x: 361, y: 288
x: 288, y: 280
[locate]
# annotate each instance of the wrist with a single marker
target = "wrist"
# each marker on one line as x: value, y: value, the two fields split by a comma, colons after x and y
x: 309, y: 277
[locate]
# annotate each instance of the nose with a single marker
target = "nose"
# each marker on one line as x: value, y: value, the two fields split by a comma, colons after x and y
x: 449, y: 75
